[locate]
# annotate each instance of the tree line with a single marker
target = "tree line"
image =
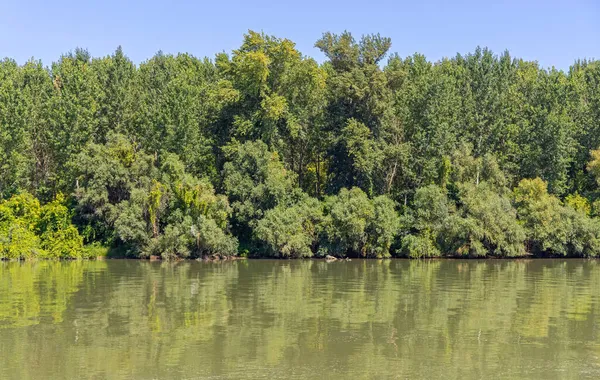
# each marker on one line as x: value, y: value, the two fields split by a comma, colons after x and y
x: 265, y: 152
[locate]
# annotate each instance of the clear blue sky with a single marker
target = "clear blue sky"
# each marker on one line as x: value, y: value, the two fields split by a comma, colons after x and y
x: 554, y: 33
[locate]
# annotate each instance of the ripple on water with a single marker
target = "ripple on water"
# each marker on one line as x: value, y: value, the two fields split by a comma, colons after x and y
x: 301, y: 319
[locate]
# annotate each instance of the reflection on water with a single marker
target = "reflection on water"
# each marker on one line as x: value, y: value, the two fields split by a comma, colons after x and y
x: 300, y: 319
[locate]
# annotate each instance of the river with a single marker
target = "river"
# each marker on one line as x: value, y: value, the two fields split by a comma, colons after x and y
x: 265, y: 319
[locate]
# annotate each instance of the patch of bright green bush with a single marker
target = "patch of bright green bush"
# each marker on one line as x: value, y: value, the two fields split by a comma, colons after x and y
x: 30, y: 230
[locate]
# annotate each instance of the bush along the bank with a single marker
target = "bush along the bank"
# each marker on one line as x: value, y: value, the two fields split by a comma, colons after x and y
x: 358, y: 226
x: 475, y: 215
x: 266, y: 152
x: 148, y: 204
x: 554, y: 228
x: 29, y: 230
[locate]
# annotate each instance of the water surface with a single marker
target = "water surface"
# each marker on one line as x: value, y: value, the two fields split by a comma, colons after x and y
x: 300, y: 320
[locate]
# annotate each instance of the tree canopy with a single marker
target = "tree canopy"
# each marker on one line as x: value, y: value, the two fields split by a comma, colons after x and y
x: 264, y: 151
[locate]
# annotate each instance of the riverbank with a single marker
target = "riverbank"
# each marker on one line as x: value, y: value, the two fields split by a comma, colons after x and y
x: 330, y: 259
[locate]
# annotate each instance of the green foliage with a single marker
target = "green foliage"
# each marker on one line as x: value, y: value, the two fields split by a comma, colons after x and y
x: 347, y: 216
x: 583, y: 234
x: 488, y: 226
x: 59, y: 237
x: 540, y: 214
x: 382, y: 228
x: 482, y: 222
x: 139, y: 151
x: 431, y: 208
x: 465, y: 168
x: 170, y: 109
x: 17, y: 119
x: 419, y: 246
x: 96, y: 251
x: 551, y: 227
x: 212, y: 239
x: 291, y: 231
x: 360, y: 152
x: 255, y: 180
x: 594, y: 165
x: 107, y: 177
x: 578, y: 203
x: 359, y: 135
x: 149, y: 204
x: 18, y: 218
x: 359, y: 226
x: 28, y: 230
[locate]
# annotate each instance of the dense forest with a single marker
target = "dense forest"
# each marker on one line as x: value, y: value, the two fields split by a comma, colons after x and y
x: 266, y: 152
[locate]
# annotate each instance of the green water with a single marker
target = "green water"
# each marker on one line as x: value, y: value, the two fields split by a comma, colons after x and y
x: 300, y: 320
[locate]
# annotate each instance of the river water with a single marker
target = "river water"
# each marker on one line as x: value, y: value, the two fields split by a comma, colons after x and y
x: 263, y: 319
